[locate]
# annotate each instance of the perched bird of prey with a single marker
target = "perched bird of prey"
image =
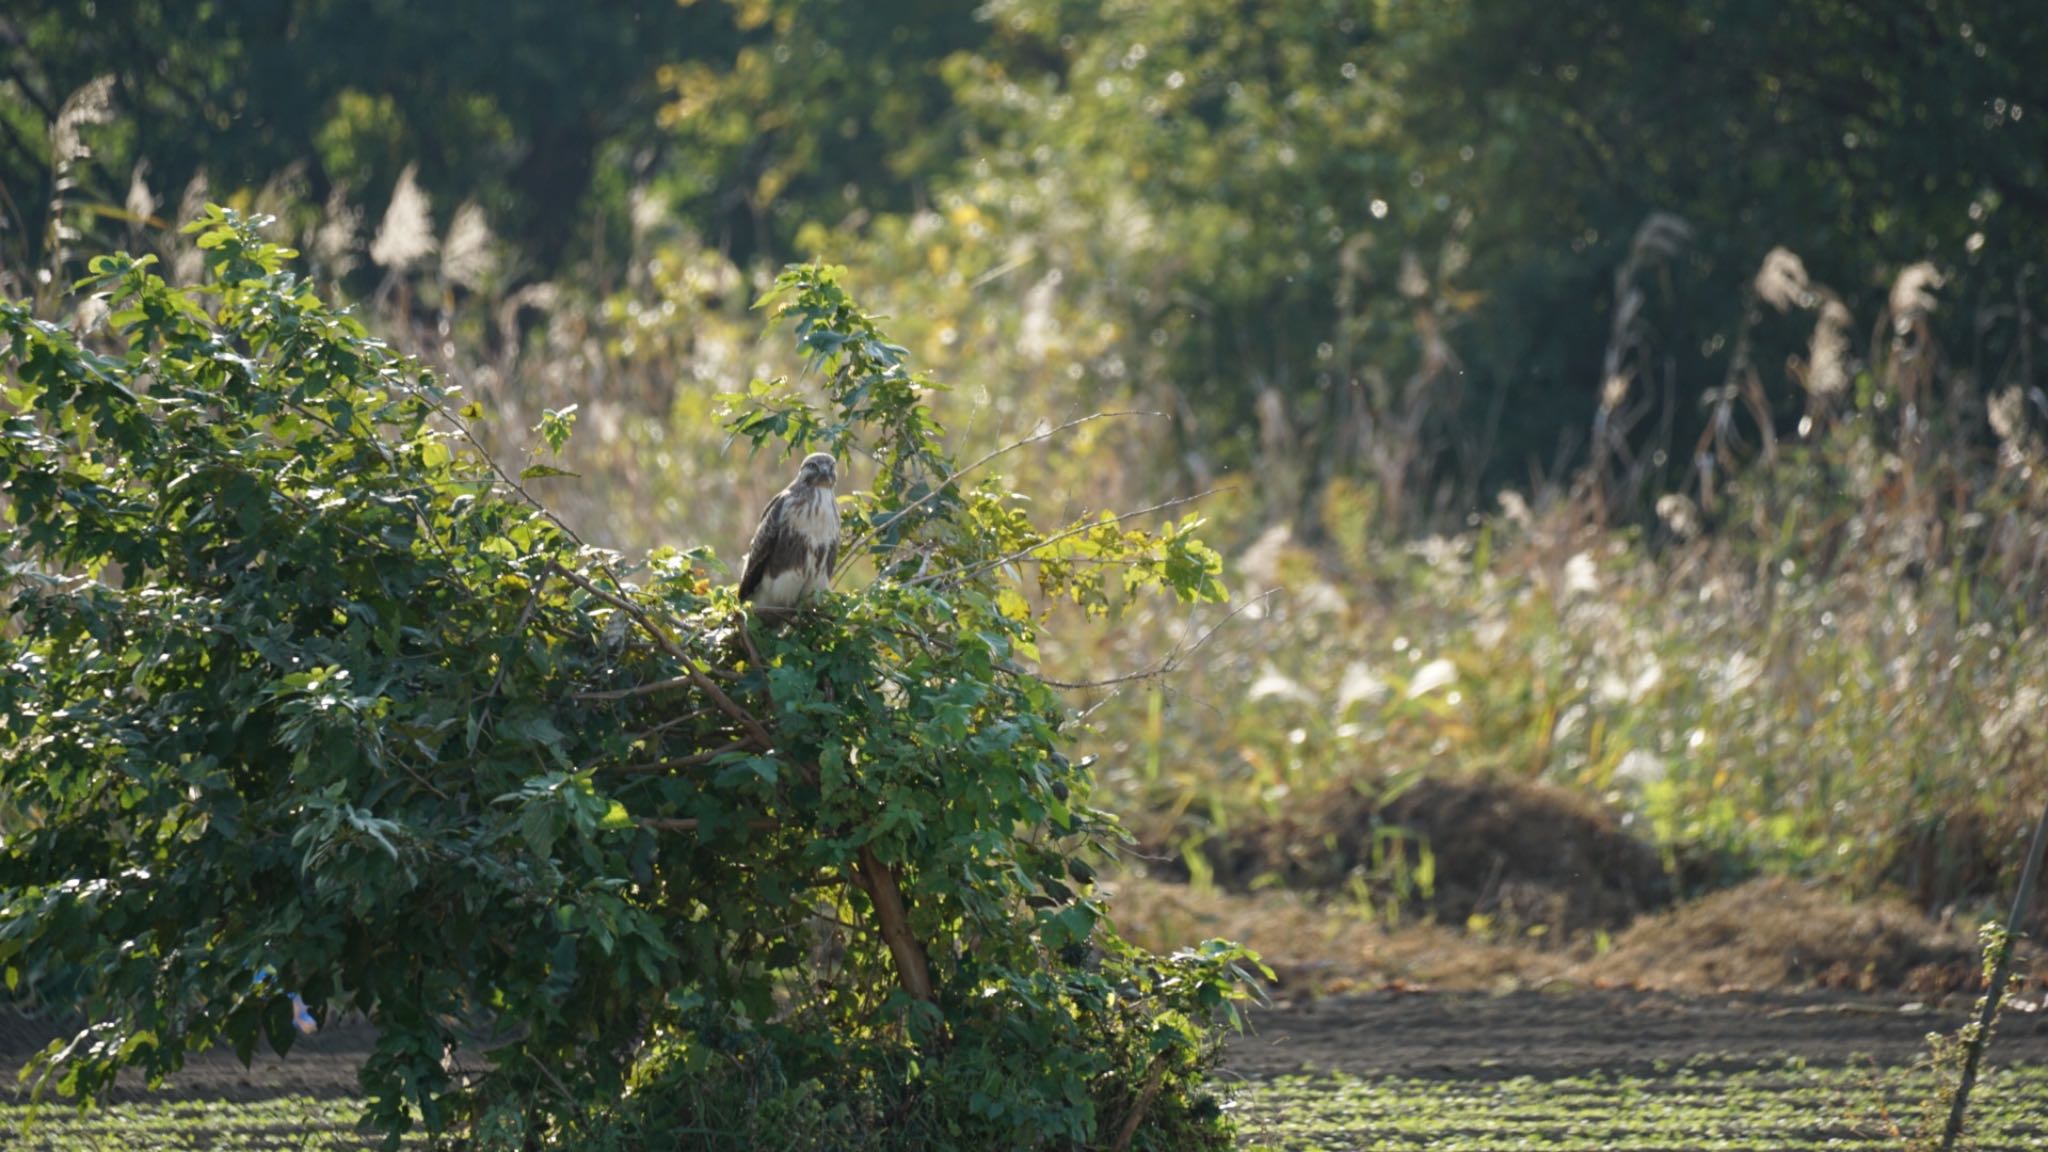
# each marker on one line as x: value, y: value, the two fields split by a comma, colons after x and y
x: 797, y: 542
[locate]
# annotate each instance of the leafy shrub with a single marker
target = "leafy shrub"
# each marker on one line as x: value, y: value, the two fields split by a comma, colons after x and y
x: 302, y: 691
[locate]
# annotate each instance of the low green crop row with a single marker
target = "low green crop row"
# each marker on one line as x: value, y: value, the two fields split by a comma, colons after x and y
x: 1783, y: 1108
x: 1788, y: 1108
x: 301, y: 1123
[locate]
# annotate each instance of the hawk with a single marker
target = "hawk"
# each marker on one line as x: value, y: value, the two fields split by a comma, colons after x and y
x: 797, y: 542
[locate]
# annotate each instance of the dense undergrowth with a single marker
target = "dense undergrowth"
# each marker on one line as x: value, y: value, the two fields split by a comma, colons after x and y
x: 1813, y: 653
x: 1772, y: 603
x: 1748, y: 704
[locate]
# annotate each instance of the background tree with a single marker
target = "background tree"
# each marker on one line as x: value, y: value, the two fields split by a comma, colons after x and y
x: 1364, y: 237
x: 1335, y: 243
x: 517, y: 106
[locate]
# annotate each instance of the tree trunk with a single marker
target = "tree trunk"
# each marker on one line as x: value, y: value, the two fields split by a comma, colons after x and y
x: 912, y: 968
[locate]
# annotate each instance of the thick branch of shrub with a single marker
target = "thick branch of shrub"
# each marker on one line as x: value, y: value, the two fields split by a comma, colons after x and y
x: 878, y: 880
x: 1136, y: 1115
x: 870, y: 875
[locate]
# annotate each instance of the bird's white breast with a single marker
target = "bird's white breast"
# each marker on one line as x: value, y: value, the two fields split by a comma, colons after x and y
x: 816, y: 519
x: 813, y: 519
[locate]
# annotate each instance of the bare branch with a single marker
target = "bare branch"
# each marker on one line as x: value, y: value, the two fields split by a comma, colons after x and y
x: 1166, y: 665
x: 668, y: 644
x: 642, y: 690
x: 1049, y: 541
x: 671, y: 722
x: 694, y: 760
x: 949, y: 481
x: 691, y: 823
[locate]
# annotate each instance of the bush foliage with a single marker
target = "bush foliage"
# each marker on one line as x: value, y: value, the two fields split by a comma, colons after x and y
x: 303, y: 692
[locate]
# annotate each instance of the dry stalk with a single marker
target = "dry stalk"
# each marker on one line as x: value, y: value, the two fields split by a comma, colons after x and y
x: 1973, y: 1050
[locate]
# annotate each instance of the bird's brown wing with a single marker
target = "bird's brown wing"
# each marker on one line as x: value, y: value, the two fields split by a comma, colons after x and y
x: 765, y: 534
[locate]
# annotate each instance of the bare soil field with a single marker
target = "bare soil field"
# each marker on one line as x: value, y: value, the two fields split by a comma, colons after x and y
x: 1387, y: 1033
x: 1545, y: 1034
x: 322, y: 1065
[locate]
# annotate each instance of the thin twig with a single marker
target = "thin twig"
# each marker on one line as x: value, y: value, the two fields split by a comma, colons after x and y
x: 671, y: 722
x: 694, y: 760
x: 1167, y: 664
x: 949, y: 481
x: 1049, y: 541
x: 725, y: 703
x: 661, y: 638
x: 462, y: 426
x: 692, y: 823
x: 551, y: 1077
x: 672, y: 682
x: 420, y: 779
x: 1000, y: 271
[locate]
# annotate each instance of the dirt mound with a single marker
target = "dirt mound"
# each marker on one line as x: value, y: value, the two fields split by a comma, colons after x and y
x: 1962, y: 858
x: 1778, y: 933
x: 1516, y: 853
x: 1316, y: 946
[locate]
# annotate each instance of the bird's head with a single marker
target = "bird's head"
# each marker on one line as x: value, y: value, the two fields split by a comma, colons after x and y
x: 819, y: 470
